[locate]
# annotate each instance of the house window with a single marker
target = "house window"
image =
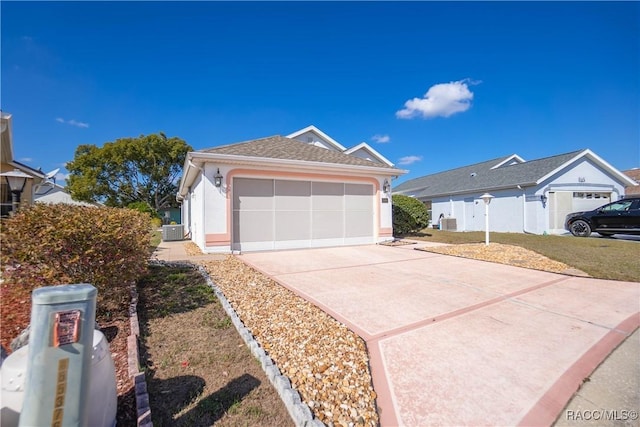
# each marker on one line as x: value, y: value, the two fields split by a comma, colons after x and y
x: 594, y: 195
x: 5, y: 199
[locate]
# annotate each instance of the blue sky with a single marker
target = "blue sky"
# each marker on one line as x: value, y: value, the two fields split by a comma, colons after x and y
x: 430, y: 85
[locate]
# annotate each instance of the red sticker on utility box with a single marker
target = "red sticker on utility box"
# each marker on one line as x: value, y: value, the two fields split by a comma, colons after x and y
x: 66, y: 329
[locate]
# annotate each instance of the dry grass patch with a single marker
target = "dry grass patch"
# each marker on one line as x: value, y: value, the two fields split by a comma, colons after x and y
x: 199, y: 371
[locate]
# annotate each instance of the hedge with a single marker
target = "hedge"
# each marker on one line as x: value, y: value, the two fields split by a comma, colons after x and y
x: 50, y: 244
x: 409, y: 214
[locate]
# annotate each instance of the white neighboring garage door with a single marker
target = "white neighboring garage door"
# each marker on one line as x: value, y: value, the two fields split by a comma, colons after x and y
x: 283, y: 214
x: 562, y: 203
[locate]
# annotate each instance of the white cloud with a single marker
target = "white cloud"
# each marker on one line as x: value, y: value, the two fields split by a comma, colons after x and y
x: 380, y: 139
x: 441, y: 100
x: 62, y: 177
x: 72, y: 122
x: 407, y: 160
x: 26, y: 159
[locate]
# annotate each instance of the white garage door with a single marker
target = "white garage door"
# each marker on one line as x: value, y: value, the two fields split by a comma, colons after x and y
x: 562, y: 203
x: 281, y: 214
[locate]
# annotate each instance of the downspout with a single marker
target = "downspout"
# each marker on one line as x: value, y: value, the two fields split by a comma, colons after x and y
x: 524, y: 211
x: 191, y: 232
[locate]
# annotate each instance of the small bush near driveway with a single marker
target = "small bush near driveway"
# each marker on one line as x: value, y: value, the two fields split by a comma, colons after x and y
x: 47, y: 245
x: 409, y: 214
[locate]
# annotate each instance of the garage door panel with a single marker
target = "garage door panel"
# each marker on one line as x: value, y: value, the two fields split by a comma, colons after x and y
x: 291, y: 225
x: 252, y: 194
x: 327, y: 224
x: 292, y: 195
x: 358, y: 190
x: 327, y: 196
x: 253, y: 226
x: 358, y: 223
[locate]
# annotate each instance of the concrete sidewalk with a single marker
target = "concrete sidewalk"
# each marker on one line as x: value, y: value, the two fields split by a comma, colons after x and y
x: 455, y: 341
x: 175, y: 251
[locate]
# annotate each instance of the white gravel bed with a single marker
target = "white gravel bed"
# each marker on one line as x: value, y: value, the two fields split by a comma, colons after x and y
x: 327, y: 364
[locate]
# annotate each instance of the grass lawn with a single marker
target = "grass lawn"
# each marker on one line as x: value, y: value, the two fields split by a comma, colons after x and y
x: 199, y: 371
x: 599, y: 257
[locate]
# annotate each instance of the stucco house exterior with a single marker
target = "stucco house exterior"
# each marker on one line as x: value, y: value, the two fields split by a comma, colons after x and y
x: 280, y: 192
x: 529, y: 196
x: 9, y: 164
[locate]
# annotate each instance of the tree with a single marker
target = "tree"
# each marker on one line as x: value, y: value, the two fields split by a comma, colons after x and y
x: 128, y: 170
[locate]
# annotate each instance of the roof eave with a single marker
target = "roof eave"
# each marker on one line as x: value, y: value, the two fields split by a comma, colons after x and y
x: 195, y: 159
x: 474, y: 191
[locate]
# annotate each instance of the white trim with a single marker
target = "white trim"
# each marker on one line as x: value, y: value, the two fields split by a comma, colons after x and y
x: 598, y: 160
x: 370, y: 149
x: 508, y: 159
x: 318, y: 132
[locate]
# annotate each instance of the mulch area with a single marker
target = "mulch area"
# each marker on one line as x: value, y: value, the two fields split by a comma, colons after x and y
x: 505, y: 254
x: 328, y: 364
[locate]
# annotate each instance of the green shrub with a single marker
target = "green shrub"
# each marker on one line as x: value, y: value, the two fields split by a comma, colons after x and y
x: 156, y: 222
x: 409, y: 214
x: 49, y: 244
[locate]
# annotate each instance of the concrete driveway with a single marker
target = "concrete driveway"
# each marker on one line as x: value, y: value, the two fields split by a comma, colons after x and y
x: 456, y: 341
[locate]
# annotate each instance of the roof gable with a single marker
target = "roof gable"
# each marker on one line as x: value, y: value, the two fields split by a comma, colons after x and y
x: 365, y: 151
x: 284, y: 148
x: 514, y: 159
x: 313, y: 135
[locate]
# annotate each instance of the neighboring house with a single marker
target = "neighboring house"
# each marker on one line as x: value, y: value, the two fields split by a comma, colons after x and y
x: 170, y: 215
x: 529, y: 196
x: 633, y: 190
x: 302, y: 190
x: 8, y: 164
x: 51, y: 192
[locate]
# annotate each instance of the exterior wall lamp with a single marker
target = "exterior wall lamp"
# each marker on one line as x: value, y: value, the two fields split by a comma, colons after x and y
x: 386, y: 187
x: 543, y: 199
x: 486, y: 198
x: 217, y: 179
x: 16, y: 180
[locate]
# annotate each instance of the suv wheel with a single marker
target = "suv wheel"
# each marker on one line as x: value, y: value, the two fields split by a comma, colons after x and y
x: 580, y: 228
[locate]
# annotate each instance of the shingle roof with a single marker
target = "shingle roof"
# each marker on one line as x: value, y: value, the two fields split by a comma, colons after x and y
x: 279, y: 147
x: 481, y: 177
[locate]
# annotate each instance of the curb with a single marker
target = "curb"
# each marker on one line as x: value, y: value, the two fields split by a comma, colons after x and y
x: 299, y: 411
x: 143, y: 410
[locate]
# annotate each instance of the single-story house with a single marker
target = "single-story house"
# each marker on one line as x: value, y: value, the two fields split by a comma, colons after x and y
x: 296, y: 191
x: 529, y: 196
x: 50, y: 192
x: 8, y: 165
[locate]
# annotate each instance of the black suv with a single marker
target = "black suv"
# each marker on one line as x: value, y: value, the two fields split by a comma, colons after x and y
x: 620, y: 217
